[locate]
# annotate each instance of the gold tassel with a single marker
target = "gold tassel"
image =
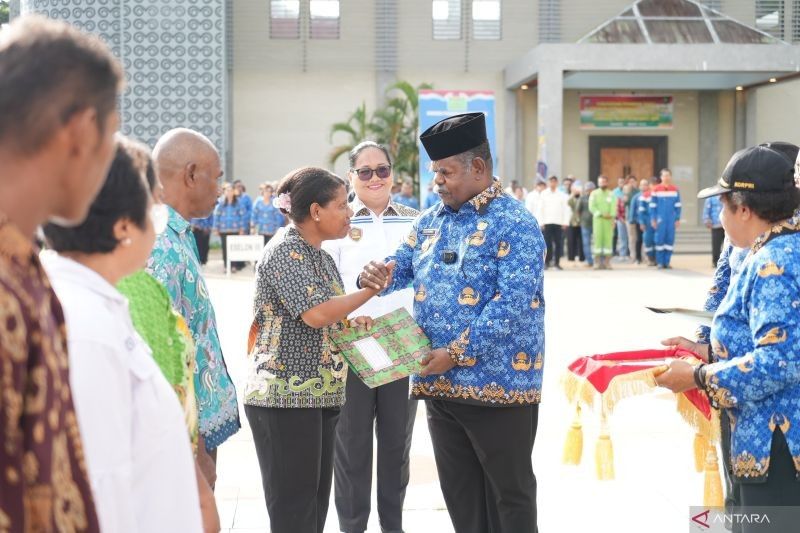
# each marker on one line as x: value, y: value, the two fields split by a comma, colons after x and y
x: 712, y: 491
x: 700, y: 446
x: 604, y: 452
x: 573, y: 447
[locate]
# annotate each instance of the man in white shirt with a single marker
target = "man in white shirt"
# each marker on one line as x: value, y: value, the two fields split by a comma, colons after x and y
x: 532, y: 198
x: 553, y: 215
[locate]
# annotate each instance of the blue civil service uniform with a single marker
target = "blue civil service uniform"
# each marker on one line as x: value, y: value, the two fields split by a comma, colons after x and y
x: 665, y: 211
x: 266, y: 218
x: 231, y: 218
x: 755, y: 339
x: 477, y: 275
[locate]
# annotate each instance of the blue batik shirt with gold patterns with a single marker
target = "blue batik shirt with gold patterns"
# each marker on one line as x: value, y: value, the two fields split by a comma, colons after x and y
x: 756, y: 338
x: 477, y: 275
x: 174, y: 262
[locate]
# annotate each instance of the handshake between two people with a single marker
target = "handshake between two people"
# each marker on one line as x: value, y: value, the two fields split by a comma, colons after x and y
x: 377, y: 276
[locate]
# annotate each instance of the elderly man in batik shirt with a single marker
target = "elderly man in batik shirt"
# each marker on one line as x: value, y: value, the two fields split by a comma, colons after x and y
x: 189, y: 168
x: 476, y: 265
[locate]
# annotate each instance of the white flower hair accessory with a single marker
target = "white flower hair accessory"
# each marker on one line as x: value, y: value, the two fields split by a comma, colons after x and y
x: 283, y: 201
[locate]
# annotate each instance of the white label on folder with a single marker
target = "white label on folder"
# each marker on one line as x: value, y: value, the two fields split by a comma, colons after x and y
x: 374, y: 353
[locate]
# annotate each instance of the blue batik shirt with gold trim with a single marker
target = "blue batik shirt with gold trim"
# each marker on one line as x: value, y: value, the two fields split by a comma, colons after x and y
x: 756, y: 338
x: 477, y: 275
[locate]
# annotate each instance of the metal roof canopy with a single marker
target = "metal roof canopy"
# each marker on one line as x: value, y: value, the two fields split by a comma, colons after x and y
x: 656, y: 66
x: 662, y: 44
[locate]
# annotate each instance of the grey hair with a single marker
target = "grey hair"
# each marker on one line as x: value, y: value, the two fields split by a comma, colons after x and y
x: 481, y: 151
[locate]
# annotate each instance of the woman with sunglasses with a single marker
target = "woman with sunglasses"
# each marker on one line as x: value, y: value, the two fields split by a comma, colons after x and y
x: 138, y: 452
x: 378, y: 227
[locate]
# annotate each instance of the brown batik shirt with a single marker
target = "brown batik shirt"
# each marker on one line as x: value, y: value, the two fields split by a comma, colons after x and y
x: 43, y: 482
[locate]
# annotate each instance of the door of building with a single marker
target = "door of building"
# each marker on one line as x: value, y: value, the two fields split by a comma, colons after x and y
x: 618, y: 163
x: 617, y: 156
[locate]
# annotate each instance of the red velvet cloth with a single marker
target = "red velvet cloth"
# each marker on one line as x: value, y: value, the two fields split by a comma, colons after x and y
x: 601, y: 369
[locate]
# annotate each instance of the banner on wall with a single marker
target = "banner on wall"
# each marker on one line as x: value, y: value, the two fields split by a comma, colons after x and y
x: 436, y: 105
x: 626, y: 111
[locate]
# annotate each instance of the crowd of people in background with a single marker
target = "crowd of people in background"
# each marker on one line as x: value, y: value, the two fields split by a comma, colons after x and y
x: 237, y: 214
x: 634, y: 222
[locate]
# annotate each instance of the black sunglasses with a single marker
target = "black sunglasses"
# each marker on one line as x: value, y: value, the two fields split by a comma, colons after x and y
x: 365, y: 174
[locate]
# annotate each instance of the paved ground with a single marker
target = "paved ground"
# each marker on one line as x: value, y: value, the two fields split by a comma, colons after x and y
x: 587, y: 312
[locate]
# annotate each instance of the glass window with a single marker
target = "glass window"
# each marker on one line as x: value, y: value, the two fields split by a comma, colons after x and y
x: 486, y: 20
x: 284, y: 19
x: 769, y: 17
x: 324, y: 19
x: 796, y: 22
x: 668, y: 8
x: 678, y: 31
x: 446, y: 19
x: 618, y: 31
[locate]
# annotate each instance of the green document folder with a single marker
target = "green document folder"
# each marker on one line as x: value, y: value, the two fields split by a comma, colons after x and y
x: 391, y: 350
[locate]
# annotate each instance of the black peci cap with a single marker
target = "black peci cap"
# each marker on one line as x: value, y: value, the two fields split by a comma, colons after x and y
x: 454, y: 135
x: 755, y: 169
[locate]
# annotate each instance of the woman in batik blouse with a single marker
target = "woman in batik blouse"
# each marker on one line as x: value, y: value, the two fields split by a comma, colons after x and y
x: 754, y: 369
x: 296, y: 379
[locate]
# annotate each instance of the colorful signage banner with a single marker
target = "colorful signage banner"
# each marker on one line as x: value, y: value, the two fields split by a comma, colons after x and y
x: 626, y: 111
x: 435, y: 105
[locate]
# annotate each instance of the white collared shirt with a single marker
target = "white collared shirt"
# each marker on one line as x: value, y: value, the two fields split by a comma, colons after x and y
x: 373, y: 238
x: 553, y: 208
x: 137, y: 448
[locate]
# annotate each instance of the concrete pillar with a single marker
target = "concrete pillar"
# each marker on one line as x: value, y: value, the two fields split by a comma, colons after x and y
x: 511, y: 154
x: 708, y: 141
x: 550, y: 117
x: 750, y: 130
x: 13, y: 9
x: 740, y: 120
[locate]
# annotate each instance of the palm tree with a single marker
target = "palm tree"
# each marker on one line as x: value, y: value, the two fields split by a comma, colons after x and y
x: 356, y: 129
x: 397, y: 125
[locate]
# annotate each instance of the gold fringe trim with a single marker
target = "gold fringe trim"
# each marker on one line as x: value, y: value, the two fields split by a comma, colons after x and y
x: 621, y: 387
x: 709, y: 429
x: 573, y: 446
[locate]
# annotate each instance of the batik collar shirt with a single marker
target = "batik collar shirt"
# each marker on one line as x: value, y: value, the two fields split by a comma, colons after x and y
x: 478, y: 290
x: 44, y: 484
x: 756, y: 336
x: 174, y: 262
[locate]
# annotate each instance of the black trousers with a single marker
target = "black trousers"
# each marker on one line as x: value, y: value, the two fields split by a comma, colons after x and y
x: 202, y: 238
x: 483, y: 457
x: 639, y: 242
x: 732, y: 497
x: 295, y: 453
x: 717, y: 237
x: 574, y: 243
x: 388, y: 410
x: 234, y: 264
x: 781, y: 489
x: 554, y: 239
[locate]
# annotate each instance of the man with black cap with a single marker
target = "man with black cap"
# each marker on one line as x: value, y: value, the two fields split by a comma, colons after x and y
x: 755, y: 336
x: 476, y: 265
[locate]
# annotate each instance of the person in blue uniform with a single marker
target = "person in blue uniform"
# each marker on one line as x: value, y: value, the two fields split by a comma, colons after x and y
x: 711, y: 210
x: 476, y: 264
x: 645, y: 230
x: 665, y: 216
x: 230, y: 218
x: 753, y: 371
x: 266, y: 219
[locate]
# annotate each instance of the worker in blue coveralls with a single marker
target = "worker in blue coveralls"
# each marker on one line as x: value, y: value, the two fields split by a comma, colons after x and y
x: 752, y: 371
x: 646, y: 230
x: 476, y: 264
x: 665, y: 216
